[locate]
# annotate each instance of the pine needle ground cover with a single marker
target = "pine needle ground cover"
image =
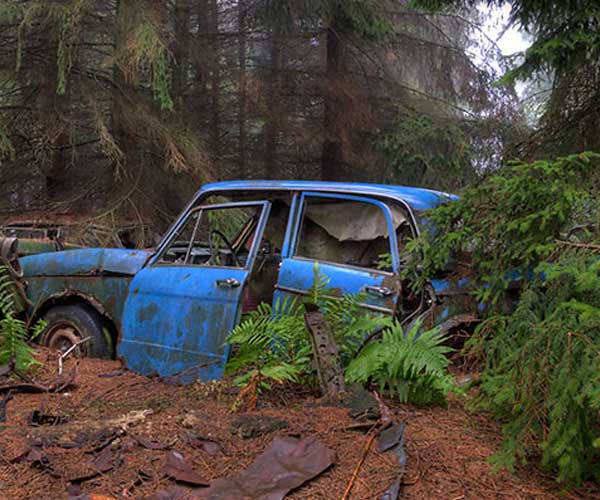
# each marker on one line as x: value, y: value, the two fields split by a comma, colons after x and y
x: 447, y: 448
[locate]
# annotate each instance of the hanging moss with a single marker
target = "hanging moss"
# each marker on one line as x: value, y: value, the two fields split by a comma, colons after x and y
x: 147, y: 51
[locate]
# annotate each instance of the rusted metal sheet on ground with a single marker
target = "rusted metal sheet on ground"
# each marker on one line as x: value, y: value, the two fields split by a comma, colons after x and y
x: 285, y: 465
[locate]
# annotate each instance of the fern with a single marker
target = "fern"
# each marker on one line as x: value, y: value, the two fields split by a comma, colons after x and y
x: 411, y: 366
x: 274, y: 344
x: 14, y: 332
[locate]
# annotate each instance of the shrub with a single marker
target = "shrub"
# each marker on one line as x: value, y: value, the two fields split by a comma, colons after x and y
x: 537, y: 226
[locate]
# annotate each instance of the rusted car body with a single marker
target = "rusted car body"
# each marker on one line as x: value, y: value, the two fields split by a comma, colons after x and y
x: 235, y: 245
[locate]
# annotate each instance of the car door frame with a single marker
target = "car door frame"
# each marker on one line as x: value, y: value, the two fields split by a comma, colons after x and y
x: 133, y: 336
x: 292, y: 238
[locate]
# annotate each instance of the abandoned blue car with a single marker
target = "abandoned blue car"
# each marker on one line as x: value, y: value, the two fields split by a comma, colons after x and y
x: 235, y: 245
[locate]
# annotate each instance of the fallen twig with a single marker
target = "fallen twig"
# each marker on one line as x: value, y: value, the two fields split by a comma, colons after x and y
x: 3, y: 404
x: 58, y: 385
x: 360, y: 462
x: 69, y: 351
x: 575, y: 244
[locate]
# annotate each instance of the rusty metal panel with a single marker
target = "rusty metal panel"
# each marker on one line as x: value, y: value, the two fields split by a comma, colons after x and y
x: 107, y: 294
x: 88, y: 261
x: 177, y: 316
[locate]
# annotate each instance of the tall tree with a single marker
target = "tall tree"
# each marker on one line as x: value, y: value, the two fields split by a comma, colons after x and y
x: 566, y: 45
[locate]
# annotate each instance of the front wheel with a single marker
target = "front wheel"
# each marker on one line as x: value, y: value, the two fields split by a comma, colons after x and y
x: 67, y: 325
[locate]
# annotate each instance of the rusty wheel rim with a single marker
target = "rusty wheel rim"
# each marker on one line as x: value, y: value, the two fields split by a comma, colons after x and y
x: 62, y: 337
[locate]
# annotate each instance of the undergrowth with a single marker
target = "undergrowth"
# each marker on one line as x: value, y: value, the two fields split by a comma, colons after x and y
x: 274, y: 347
x: 535, y: 227
x: 411, y: 366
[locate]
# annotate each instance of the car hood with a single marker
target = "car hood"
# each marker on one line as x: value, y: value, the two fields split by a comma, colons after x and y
x: 87, y: 261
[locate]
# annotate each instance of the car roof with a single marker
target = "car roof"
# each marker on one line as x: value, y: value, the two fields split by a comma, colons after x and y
x: 416, y: 198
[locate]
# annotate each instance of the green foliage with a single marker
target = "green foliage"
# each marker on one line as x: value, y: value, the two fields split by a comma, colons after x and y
x: 274, y: 341
x: 412, y: 365
x: 542, y: 371
x: 419, y: 148
x: 13, y: 342
x: 146, y: 49
x: 566, y: 32
x: 513, y: 220
x: 535, y: 225
x: 14, y: 332
x: 6, y: 292
x: 6, y: 147
x: 61, y: 19
x: 361, y: 17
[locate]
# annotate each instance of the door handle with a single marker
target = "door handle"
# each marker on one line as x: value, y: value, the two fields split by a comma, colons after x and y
x: 228, y: 283
x: 382, y: 291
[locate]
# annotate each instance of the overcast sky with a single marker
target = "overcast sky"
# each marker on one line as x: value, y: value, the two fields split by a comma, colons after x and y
x: 512, y: 39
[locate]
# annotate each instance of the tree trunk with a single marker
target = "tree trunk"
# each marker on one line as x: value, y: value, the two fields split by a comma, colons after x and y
x: 56, y: 107
x: 122, y: 89
x: 271, y: 127
x: 332, y: 159
x: 242, y: 172
x: 181, y: 51
x: 215, y: 128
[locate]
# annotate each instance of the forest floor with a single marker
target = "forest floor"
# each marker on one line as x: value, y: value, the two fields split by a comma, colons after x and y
x: 447, y: 449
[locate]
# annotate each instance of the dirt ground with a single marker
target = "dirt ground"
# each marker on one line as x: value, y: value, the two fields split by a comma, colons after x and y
x: 447, y: 449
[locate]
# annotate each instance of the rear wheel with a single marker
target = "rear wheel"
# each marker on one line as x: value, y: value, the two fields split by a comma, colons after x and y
x: 67, y: 325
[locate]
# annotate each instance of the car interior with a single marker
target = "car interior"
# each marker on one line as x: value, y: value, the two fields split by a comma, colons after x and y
x: 332, y: 230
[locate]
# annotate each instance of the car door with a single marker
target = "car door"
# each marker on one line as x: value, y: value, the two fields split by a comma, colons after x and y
x: 182, y: 305
x: 352, y: 240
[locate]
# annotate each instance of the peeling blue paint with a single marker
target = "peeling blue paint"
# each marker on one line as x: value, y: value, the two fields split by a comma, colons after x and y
x: 86, y: 261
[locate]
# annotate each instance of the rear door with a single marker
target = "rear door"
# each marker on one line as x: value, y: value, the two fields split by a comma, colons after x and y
x: 181, y: 307
x: 353, y: 241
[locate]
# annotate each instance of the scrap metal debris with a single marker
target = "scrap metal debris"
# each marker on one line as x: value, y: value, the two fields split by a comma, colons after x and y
x: 251, y: 426
x: 39, y: 418
x: 392, y: 439
x: 3, y: 402
x: 101, y: 463
x: 286, y: 464
x: 210, y: 446
x: 177, y: 468
x: 325, y: 352
x: 391, y: 436
x: 149, y: 444
x: 59, y: 384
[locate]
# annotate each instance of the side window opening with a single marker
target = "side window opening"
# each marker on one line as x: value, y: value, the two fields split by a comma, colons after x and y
x: 345, y: 232
x: 214, y: 236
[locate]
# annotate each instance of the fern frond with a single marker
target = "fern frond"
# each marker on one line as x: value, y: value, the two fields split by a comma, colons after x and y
x: 410, y: 366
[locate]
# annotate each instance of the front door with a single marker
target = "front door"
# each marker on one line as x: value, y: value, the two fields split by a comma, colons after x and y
x: 352, y: 239
x: 183, y: 304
